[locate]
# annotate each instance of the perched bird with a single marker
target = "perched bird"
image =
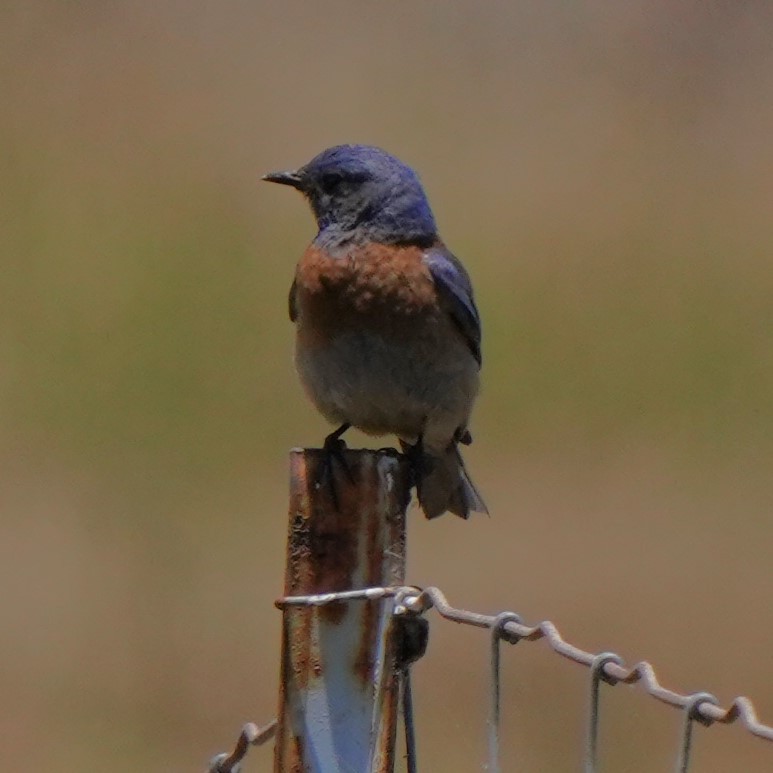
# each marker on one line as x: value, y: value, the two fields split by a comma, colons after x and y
x: 388, y: 335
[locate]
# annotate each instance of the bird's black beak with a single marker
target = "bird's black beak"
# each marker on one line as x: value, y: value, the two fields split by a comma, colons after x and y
x: 293, y: 179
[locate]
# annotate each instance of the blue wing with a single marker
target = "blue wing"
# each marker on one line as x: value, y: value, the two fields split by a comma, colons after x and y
x: 455, y: 291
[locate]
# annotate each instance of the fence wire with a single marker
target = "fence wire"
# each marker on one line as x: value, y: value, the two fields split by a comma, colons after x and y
x: 607, y: 667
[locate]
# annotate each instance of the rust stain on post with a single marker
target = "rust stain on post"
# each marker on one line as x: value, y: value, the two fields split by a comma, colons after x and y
x: 338, y: 691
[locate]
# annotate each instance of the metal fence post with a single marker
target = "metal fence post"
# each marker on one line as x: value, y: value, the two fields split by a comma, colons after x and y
x: 339, y: 680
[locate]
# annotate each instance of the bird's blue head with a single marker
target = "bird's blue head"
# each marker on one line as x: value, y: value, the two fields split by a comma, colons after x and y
x: 362, y: 193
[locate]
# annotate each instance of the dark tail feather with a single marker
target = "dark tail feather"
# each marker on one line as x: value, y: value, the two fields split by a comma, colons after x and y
x: 445, y: 486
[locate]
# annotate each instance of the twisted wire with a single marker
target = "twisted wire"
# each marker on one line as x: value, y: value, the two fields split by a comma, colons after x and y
x: 606, y: 667
x: 251, y: 735
x: 420, y: 600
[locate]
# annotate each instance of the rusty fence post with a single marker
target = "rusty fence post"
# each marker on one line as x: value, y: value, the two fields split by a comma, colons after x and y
x: 339, y: 687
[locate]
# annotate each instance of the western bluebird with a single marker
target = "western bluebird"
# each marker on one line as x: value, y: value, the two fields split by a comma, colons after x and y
x: 388, y: 335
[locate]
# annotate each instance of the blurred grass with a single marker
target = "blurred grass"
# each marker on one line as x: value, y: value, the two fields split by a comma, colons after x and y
x: 604, y: 171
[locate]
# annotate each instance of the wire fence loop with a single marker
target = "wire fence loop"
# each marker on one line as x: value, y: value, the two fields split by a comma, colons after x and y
x: 499, y: 631
x: 692, y: 714
x: 597, y: 675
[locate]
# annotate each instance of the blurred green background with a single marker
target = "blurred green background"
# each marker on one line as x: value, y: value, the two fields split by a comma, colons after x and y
x: 604, y: 169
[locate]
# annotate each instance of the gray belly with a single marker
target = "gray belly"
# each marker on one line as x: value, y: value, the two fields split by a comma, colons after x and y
x: 381, y: 386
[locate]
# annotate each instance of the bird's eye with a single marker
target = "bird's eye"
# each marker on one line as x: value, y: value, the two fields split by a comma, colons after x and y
x: 341, y: 182
x: 331, y: 180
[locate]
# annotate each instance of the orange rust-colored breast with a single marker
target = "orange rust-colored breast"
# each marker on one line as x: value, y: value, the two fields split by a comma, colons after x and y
x: 366, y: 287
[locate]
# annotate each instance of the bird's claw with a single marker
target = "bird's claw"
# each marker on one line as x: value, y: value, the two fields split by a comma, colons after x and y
x: 419, y: 464
x: 334, y: 448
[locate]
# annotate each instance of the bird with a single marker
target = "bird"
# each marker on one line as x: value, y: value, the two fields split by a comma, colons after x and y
x: 388, y: 336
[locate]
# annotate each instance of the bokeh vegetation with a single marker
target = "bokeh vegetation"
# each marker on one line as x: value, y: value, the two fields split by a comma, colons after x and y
x: 604, y: 169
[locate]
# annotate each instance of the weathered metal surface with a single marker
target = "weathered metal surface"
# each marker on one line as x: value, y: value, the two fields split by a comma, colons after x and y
x: 339, y: 681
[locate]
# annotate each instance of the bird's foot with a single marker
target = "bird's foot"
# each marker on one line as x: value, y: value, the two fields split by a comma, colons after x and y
x: 419, y: 464
x: 333, y: 454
